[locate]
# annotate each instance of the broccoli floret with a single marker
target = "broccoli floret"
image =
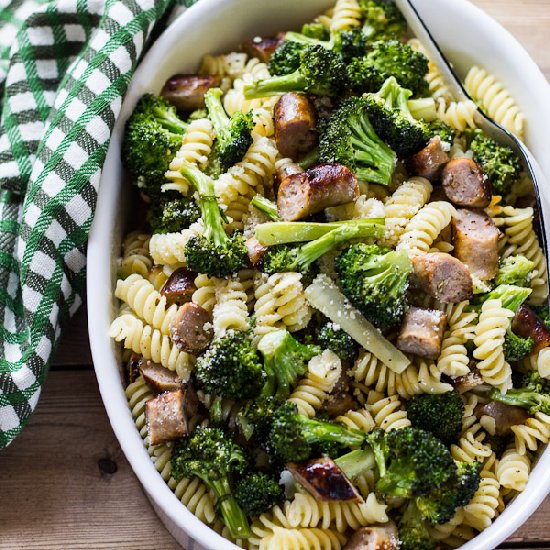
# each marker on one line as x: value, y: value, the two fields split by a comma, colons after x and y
x: 257, y: 493
x: 533, y: 381
x: 285, y: 361
x: 174, y: 214
x: 286, y: 58
x: 392, y: 120
x: 299, y: 259
x: 316, y: 31
x: 197, y: 114
x: 499, y: 162
x: 393, y: 58
x: 332, y: 337
x: 213, y: 457
x: 293, y: 436
x: 411, y: 462
x: 511, y: 296
x: 320, y: 72
x: 438, y: 507
x: 152, y: 136
x: 516, y: 347
x: 267, y: 207
x: 535, y: 396
x: 348, y: 137
x: 439, y: 414
x: 383, y: 20
x: 214, y: 252
x: 230, y: 367
x: 439, y: 128
x: 515, y: 270
x: 375, y: 279
x: 233, y: 134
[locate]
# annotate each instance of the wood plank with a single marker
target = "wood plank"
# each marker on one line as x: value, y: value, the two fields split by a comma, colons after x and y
x: 56, y: 489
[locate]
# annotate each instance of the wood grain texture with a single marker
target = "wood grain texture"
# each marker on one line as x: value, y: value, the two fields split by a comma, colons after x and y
x: 55, y: 476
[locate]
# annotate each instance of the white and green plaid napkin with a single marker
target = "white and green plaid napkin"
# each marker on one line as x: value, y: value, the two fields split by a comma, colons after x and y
x: 65, y: 66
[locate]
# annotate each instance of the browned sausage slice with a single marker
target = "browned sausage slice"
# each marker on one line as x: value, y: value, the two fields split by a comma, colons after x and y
x: 429, y: 162
x: 443, y: 277
x: 465, y: 183
x: 262, y: 48
x: 381, y: 537
x: 186, y: 91
x: 526, y: 323
x: 132, y: 367
x: 324, y: 480
x: 421, y: 332
x: 468, y: 381
x: 504, y: 416
x: 191, y: 328
x: 255, y: 250
x: 165, y: 417
x: 159, y: 378
x: 339, y: 400
x: 295, y: 125
x: 475, y: 237
x: 180, y: 286
x: 301, y: 195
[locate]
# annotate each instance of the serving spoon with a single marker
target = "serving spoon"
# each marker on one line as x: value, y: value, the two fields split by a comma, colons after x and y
x: 487, y: 124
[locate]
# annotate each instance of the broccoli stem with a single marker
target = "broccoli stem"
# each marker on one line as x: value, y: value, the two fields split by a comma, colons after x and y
x: 170, y: 121
x: 313, y: 250
x: 276, y: 85
x: 356, y: 462
x: 210, y: 210
x: 293, y: 36
x: 216, y: 112
x: 273, y: 233
x: 264, y: 205
x: 231, y: 512
x: 529, y: 400
x: 315, y: 431
x: 309, y: 159
x: 423, y: 108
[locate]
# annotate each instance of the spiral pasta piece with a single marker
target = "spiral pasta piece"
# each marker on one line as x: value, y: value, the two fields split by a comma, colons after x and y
x: 241, y: 182
x: 490, y: 333
x: 306, y: 511
x: 135, y: 254
x: 453, y: 359
x: 346, y: 15
x: 543, y: 363
x: 534, y: 431
x: 403, y: 205
x: 424, y: 228
x: 280, y: 303
x: 324, y: 370
x: 512, y: 470
x: 363, y: 207
x: 470, y: 446
x: 150, y: 343
x: 230, y: 311
x: 459, y: 115
x: 495, y: 100
x: 388, y: 413
x: 300, y: 539
x: 482, y: 509
x: 360, y: 419
x: 148, y: 304
x: 169, y: 248
x: 231, y: 64
x: 137, y: 394
x: 205, y: 295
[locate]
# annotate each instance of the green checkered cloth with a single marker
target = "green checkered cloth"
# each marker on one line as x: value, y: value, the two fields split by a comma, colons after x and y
x: 64, y: 69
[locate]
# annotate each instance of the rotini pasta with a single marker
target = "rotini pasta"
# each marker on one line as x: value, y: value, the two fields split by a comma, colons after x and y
x: 482, y: 509
x: 346, y: 15
x: 230, y: 311
x: 135, y: 255
x: 458, y: 114
x: 388, y: 413
x: 512, y: 470
x: 535, y: 431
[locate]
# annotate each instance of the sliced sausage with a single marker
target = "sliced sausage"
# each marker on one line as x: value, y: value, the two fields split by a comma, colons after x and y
x: 429, y: 162
x: 466, y: 184
x: 475, y: 238
x: 301, y: 195
x: 180, y: 286
x: 186, y: 91
x: 159, y: 378
x: 165, y: 417
x: 191, y: 328
x: 468, y: 381
x: 339, y: 400
x: 382, y: 537
x: 504, y: 416
x: 263, y: 48
x: 421, y: 332
x: 295, y: 125
x: 132, y: 367
x: 526, y: 323
x: 443, y: 277
x: 255, y: 250
x: 324, y: 480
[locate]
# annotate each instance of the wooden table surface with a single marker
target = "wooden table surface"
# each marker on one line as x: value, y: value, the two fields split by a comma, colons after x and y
x: 64, y: 483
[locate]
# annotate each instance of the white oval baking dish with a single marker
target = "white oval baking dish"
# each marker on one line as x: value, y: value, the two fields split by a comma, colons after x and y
x: 464, y: 32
